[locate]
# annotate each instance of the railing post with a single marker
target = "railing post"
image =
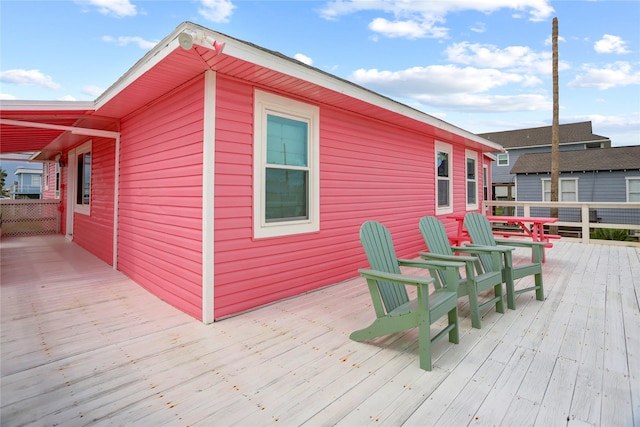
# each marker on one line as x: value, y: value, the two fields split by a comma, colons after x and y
x: 585, y: 223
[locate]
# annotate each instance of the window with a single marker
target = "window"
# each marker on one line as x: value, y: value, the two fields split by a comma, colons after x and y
x: 46, y: 175
x: 57, y: 180
x: 36, y: 181
x: 633, y: 190
x: 503, y: 159
x: 485, y: 182
x: 83, y: 179
x: 567, y: 189
x: 286, y: 166
x: 472, y: 179
x: 444, y: 186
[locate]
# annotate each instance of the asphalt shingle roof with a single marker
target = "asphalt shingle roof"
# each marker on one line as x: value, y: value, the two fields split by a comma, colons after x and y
x: 541, y: 136
x: 593, y: 159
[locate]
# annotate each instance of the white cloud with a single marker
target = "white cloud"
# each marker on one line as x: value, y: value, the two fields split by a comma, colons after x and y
x: 613, y: 75
x: 479, y: 27
x: 303, y: 58
x: 67, y: 98
x: 434, y: 79
x: 7, y: 97
x: 418, y: 18
x: 489, y: 103
x: 611, y: 44
x: 512, y: 58
x: 409, y: 29
x: 216, y: 10
x: 118, y: 8
x: 125, y: 40
x: 28, y: 78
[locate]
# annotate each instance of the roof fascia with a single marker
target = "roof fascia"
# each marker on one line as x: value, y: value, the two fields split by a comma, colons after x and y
x: 22, y: 105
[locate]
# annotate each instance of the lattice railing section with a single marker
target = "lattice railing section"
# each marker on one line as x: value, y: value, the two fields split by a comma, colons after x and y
x: 29, y: 217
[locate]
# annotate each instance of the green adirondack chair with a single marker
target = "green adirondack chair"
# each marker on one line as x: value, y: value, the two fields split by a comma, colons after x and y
x: 394, y: 310
x: 476, y: 280
x: 481, y: 234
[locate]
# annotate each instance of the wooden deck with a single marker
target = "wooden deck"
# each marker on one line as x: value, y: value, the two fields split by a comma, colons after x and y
x: 84, y: 345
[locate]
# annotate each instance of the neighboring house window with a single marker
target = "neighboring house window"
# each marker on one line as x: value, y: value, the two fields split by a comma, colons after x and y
x: 36, y: 181
x: 567, y: 189
x: 633, y: 190
x: 472, y: 179
x: 286, y: 166
x: 444, y: 181
x: 83, y: 178
x: 503, y: 159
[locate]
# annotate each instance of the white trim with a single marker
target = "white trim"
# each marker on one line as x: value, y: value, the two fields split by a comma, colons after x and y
x: 116, y: 205
x: 498, y: 159
x: 473, y: 155
x: 71, y: 192
x: 208, y: 197
x: 265, y: 103
x: 74, y: 130
x: 627, y: 189
x: 445, y: 148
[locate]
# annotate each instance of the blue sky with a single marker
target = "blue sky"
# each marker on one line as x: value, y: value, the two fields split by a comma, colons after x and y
x: 483, y: 65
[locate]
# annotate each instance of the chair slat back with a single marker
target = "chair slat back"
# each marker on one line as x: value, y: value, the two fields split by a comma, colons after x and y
x: 435, y: 236
x: 479, y: 229
x: 378, y: 246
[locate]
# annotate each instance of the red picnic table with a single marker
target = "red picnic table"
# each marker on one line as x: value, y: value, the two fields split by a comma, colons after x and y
x: 532, y: 227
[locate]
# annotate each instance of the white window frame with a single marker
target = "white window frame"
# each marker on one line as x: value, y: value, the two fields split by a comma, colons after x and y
x: 267, y: 103
x: 78, y: 208
x: 445, y: 148
x: 471, y: 155
x: 560, y: 192
x: 628, y: 192
x: 502, y: 159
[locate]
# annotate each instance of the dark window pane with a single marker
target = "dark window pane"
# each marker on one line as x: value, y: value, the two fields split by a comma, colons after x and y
x: 443, y: 193
x: 471, y: 169
x: 471, y: 194
x: 443, y: 164
x: 286, y: 195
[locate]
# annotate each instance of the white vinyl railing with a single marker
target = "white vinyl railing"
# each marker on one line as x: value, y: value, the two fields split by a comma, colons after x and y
x: 576, y: 219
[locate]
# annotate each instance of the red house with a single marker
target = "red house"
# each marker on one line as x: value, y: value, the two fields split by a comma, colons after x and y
x: 222, y: 176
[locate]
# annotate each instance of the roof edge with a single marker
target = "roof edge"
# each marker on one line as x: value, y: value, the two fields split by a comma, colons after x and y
x: 286, y: 65
x: 17, y: 105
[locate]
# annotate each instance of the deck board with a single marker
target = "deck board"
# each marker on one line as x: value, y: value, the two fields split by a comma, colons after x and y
x: 83, y: 344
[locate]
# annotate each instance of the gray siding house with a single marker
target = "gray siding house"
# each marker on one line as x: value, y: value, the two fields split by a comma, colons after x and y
x: 600, y: 175
x: 572, y: 136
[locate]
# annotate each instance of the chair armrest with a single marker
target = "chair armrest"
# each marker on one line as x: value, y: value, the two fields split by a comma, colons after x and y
x: 471, y: 248
x: 520, y: 244
x: 420, y: 263
x: 453, y: 258
x: 395, y: 278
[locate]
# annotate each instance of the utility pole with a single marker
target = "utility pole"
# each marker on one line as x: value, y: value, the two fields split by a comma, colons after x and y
x: 555, y: 143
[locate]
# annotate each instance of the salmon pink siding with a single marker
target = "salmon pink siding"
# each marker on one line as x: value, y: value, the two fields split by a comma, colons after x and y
x: 368, y: 170
x: 94, y: 232
x: 160, y: 198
